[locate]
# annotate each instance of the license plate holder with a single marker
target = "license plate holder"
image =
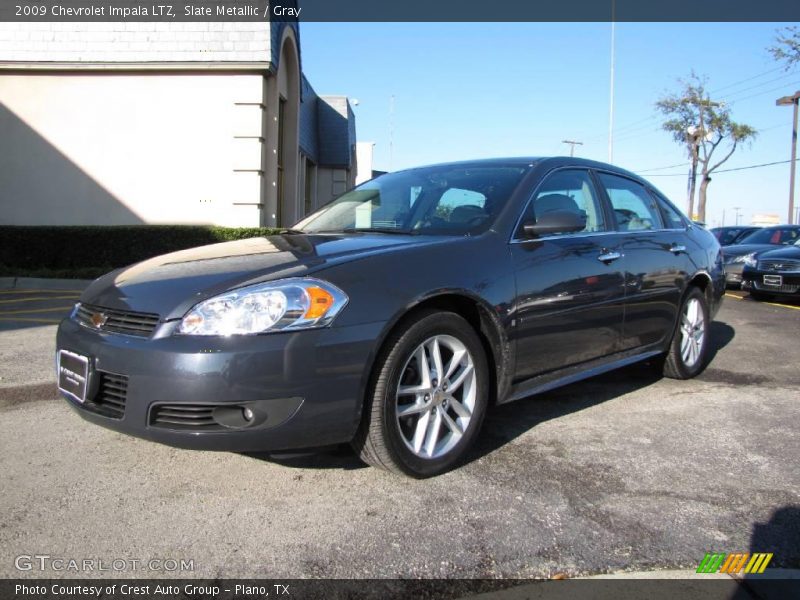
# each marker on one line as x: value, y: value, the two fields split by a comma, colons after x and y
x: 773, y: 280
x: 73, y: 374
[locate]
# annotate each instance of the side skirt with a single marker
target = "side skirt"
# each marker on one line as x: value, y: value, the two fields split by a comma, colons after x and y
x: 555, y: 379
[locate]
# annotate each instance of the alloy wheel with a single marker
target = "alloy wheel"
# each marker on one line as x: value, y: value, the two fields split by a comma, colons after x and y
x: 436, y: 396
x: 693, y: 332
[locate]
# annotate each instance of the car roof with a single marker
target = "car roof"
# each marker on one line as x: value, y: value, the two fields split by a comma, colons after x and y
x: 531, y: 161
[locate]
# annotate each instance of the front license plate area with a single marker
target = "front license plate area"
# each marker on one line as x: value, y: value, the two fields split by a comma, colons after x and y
x: 773, y: 280
x: 73, y: 374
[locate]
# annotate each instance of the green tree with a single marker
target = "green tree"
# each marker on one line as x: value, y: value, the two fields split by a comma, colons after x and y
x: 787, y: 46
x: 702, y: 126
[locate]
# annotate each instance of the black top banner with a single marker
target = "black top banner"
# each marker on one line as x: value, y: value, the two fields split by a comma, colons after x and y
x: 400, y: 10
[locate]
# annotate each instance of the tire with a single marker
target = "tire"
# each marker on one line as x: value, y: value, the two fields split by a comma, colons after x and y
x: 686, y: 359
x: 402, y: 444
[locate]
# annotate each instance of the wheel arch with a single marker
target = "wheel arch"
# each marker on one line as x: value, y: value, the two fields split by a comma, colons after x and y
x: 477, y: 313
x: 701, y: 279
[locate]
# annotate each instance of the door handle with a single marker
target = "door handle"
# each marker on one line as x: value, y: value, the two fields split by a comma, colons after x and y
x: 677, y: 248
x: 609, y: 256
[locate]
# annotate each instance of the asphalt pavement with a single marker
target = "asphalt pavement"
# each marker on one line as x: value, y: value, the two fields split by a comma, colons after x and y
x: 624, y: 472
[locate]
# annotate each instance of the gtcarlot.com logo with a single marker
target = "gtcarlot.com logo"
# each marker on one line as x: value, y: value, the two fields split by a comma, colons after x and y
x: 46, y: 562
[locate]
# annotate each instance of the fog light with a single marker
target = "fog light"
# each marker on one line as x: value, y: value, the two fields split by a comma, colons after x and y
x: 248, y: 414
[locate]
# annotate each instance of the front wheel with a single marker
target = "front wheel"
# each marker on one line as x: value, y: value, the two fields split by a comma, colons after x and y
x: 428, y: 397
x: 688, y: 351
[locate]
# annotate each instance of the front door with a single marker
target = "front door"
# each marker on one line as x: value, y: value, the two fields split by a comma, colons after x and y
x: 570, y: 285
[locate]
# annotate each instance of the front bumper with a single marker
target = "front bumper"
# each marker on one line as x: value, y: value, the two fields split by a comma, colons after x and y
x: 733, y: 274
x: 753, y: 279
x: 304, y: 388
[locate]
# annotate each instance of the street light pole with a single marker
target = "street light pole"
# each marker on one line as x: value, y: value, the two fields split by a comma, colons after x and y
x: 785, y: 101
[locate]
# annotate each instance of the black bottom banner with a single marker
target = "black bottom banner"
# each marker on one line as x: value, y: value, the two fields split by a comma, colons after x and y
x: 335, y: 589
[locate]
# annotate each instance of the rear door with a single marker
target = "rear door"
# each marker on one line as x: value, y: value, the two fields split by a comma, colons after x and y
x: 656, y: 261
x: 570, y: 285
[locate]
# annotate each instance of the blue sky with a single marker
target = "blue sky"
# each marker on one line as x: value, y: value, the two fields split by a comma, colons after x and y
x: 472, y: 90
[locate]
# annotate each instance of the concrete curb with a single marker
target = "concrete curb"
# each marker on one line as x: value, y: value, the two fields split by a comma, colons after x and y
x: 37, y: 283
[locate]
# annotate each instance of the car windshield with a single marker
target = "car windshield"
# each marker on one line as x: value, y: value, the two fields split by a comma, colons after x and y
x: 445, y: 200
x: 776, y: 236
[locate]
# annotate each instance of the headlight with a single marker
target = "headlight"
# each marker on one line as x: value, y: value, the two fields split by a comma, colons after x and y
x: 287, y: 304
x: 748, y: 259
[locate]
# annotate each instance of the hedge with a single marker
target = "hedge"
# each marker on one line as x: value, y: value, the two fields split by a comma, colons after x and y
x: 85, y: 252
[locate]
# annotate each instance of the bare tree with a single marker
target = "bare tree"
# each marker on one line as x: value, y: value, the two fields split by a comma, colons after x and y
x: 787, y: 46
x: 702, y: 126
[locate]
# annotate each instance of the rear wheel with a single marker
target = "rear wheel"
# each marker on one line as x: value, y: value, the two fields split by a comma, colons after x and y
x: 428, y: 397
x: 688, y: 351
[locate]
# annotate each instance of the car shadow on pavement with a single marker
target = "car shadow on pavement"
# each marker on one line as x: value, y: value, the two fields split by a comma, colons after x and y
x: 506, y: 422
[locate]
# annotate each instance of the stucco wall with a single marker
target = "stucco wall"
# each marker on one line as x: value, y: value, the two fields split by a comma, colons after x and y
x: 117, y: 149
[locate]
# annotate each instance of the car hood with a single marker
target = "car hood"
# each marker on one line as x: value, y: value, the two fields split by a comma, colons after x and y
x: 785, y: 252
x: 742, y: 249
x: 169, y: 285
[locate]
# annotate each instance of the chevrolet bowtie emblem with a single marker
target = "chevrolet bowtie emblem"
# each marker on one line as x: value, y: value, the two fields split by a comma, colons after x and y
x: 98, y: 320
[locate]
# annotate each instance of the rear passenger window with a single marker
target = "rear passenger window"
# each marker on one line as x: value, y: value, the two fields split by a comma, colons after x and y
x: 634, y: 208
x: 672, y: 218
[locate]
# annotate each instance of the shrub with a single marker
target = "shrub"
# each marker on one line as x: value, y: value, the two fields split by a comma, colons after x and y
x: 89, y: 251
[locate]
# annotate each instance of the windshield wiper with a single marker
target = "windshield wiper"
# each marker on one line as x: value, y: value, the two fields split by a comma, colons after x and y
x: 393, y: 230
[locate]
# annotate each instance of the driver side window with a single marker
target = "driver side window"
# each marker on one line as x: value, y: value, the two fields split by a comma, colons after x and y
x: 566, y: 190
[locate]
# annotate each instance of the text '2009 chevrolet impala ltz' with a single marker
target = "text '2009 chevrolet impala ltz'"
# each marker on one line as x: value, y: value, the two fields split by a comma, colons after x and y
x: 393, y: 316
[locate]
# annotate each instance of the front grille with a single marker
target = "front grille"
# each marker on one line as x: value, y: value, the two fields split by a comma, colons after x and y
x: 117, y: 321
x: 785, y: 288
x: 112, y: 391
x: 779, y: 266
x: 184, y: 416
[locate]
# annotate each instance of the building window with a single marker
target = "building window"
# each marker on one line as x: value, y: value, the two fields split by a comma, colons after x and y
x: 311, y: 176
x: 281, y: 160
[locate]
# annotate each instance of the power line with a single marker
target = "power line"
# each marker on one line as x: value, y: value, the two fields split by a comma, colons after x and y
x: 769, y: 91
x: 735, y: 83
x: 758, y: 85
x: 645, y: 123
x: 769, y: 164
x: 683, y: 164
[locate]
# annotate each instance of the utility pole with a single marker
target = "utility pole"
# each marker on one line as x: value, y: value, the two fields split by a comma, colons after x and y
x: 738, y: 211
x: 572, y: 145
x: 786, y: 101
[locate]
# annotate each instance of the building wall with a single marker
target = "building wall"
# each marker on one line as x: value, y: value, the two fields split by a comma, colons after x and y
x: 34, y: 42
x: 130, y: 148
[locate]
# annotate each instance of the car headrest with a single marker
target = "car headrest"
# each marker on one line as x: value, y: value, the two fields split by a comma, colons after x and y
x: 551, y: 202
x: 465, y: 213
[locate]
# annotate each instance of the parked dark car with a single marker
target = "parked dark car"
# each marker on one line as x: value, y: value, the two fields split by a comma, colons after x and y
x: 776, y: 273
x: 392, y: 317
x: 732, y: 234
x: 747, y: 250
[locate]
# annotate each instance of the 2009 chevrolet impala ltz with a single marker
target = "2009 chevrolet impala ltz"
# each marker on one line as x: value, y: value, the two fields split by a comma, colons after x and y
x: 393, y: 316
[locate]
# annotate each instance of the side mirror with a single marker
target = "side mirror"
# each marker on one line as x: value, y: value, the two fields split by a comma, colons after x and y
x: 555, y: 221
